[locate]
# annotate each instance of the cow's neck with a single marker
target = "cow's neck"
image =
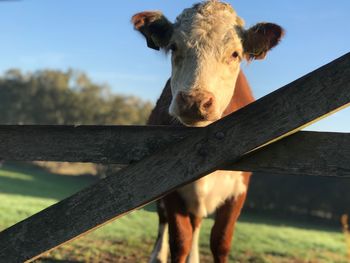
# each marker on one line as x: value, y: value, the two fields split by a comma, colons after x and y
x: 241, y: 97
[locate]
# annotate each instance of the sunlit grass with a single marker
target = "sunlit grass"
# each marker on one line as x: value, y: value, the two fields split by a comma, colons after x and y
x: 346, y: 231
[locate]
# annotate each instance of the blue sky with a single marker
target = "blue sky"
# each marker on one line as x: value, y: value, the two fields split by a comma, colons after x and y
x: 96, y: 36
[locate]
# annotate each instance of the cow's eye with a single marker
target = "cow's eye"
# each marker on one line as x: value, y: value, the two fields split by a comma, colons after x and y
x: 235, y: 54
x: 173, y: 47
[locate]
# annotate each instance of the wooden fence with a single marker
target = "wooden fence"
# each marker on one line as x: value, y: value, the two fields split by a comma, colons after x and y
x: 164, y: 158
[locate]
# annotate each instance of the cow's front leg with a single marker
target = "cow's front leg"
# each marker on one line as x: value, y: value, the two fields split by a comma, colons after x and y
x: 180, y: 228
x: 222, y: 231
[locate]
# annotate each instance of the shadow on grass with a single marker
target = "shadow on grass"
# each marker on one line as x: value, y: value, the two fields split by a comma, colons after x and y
x: 300, y: 222
x: 152, y: 207
x: 269, y: 219
x: 51, y: 260
x: 28, y: 180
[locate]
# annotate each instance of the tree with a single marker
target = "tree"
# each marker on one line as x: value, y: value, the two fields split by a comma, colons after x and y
x: 70, y: 97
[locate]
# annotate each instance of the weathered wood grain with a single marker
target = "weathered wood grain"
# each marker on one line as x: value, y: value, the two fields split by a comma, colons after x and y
x: 272, y: 117
x: 305, y: 153
x: 98, y: 144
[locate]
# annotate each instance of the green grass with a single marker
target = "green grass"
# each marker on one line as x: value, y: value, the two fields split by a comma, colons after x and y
x: 25, y: 190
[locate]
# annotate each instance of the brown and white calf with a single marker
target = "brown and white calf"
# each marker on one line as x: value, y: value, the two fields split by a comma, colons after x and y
x: 207, y: 44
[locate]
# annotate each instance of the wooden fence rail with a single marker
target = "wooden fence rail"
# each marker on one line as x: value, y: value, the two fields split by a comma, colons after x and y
x: 267, y: 120
x: 304, y: 153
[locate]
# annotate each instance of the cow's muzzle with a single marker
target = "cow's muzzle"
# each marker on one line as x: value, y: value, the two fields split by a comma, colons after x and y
x: 195, y: 106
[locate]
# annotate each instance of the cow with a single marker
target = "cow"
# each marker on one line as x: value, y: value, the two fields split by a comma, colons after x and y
x: 207, y: 43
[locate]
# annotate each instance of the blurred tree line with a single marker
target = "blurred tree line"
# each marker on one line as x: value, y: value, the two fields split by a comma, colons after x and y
x: 70, y: 97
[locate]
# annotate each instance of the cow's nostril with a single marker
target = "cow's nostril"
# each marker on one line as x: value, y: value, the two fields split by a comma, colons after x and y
x: 207, y: 104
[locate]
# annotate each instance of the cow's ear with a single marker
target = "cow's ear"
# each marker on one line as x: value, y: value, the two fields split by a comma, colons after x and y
x: 259, y: 39
x: 155, y: 27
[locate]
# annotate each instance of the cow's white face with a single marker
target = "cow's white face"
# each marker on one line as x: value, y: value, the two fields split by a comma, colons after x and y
x: 207, y: 43
x: 206, y: 52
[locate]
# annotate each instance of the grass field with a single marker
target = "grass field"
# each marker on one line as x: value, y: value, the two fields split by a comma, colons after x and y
x: 25, y: 190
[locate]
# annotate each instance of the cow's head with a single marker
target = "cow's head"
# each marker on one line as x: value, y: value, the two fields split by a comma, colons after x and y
x: 207, y: 44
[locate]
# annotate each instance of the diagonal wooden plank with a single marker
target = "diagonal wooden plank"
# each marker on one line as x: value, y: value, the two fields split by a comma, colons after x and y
x: 305, y: 153
x: 274, y: 116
